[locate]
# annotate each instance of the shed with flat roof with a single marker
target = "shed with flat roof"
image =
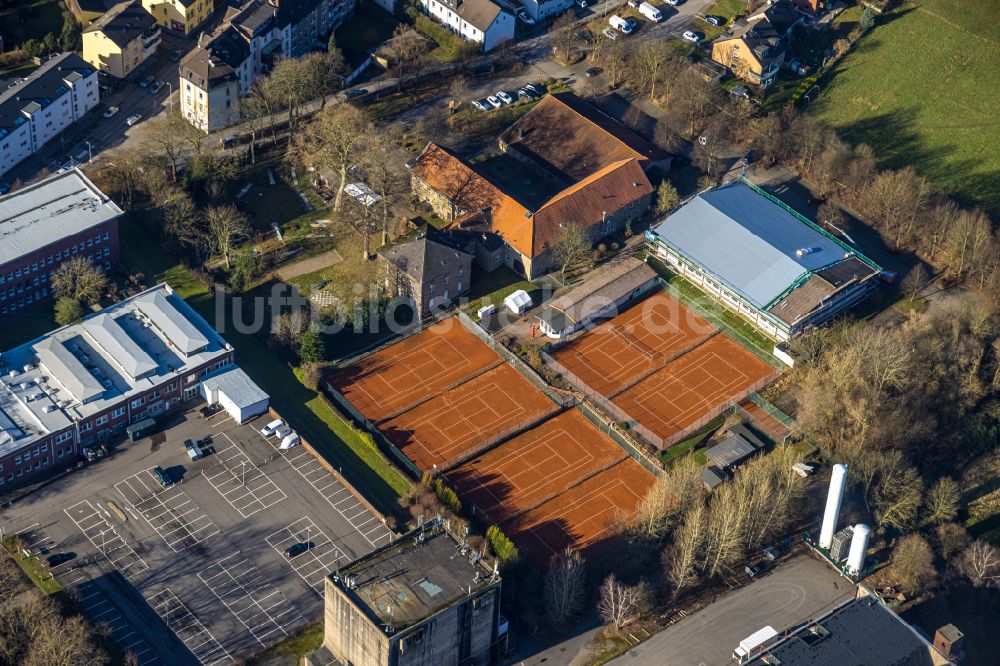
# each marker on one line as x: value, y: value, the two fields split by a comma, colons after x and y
x: 236, y: 392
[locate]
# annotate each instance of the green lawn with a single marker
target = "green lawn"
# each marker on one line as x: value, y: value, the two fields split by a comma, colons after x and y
x: 32, y: 20
x: 921, y: 89
x: 28, y: 324
x: 725, y: 8
x: 265, y: 203
x: 693, y: 441
x: 493, y: 287
x: 307, y: 412
x: 32, y: 566
x: 299, y: 644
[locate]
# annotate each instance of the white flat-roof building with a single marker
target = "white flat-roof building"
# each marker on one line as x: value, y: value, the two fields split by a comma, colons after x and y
x: 85, y: 383
x: 236, y: 392
x: 49, y: 100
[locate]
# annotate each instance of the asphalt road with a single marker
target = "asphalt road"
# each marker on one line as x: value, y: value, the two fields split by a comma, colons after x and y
x: 204, y: 556
x: 791, y: 594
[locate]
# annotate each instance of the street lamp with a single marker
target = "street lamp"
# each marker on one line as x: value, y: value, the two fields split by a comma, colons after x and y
x: 170, y: 95
x: 90, y: 152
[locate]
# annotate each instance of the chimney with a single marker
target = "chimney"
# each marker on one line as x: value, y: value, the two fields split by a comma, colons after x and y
x: 948, y: 641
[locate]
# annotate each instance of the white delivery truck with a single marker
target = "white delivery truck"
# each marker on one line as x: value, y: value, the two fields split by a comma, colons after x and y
x: 651, y: 12
x: 752, y: 643
x: 620, y: 24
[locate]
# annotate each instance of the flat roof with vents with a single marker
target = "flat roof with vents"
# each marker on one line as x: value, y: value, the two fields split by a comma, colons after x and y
x: 68, y: 370
x: 45, y: 212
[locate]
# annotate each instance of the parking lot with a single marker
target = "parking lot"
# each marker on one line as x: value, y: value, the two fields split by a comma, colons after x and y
x: 196, y: 571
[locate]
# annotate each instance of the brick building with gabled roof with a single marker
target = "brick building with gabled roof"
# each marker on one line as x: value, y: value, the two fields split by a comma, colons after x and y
x: 598, y: 195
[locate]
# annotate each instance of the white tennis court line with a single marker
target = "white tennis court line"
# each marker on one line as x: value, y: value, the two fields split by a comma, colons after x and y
x: 425, y: 372
x: 313, y: 565
x: 105, y: 538
x: 170, y: 512
x: 258, y: 605
x: 242, y: 483
x: 189, y: 629
x: 337, y: 496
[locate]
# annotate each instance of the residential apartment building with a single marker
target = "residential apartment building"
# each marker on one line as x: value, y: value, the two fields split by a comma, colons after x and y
x: 180, y: 16
x: 754, y: 48
x: 426, y: 599
x: 429, y: 271
x: 564, y: 164
x: 85, y: 383
x: 46, y: 223
x: 221, y: 70
x: 121, y: 40
x: 212, y: 80
x: 542, y: 9
x: 480, y: 21
x: 35, y: 111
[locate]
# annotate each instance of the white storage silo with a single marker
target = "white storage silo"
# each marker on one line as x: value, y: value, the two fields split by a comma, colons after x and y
x: 837, y: 481
x: 859, y: 546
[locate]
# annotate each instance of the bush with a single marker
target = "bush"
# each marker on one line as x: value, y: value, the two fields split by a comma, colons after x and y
x: 312, y: 349
x: 68, y: 311
x: 502, y: 546
x: 447, y: 496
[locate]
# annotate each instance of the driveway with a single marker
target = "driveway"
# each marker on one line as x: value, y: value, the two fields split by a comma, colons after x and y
x: 793, y: 593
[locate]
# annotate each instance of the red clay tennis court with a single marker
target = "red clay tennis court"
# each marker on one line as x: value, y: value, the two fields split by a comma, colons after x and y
x: 535, y: 465
x: 446, y: 427
x: 671, y: 399
x: 583, y: 515
x: 618, y: 352
x: 395, y: 377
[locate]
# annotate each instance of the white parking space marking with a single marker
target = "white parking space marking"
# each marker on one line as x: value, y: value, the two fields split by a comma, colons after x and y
x: 315, y: 564
x: 258, y: 605
x: 98, y: 608
x: 103, y: 536
x: 339, y: 497
x: 189, y: 628
x: 240, y: 482
x: 170, y: 512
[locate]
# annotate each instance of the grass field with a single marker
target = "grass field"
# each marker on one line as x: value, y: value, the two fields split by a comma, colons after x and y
x: 921, y: 89
x: 32, y: 20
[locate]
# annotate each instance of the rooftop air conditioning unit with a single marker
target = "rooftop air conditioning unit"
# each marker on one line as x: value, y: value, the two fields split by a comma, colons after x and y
x: 48, y: 409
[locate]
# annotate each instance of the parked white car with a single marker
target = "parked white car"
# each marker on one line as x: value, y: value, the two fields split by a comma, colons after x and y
x: 611, y: 33
x: 271, y: 427
x: 507, y: 99
x: 691, y: 36
x: 112, y: 110
x: 290, y: 440
x: 494, y: 102
x: 133, y: 119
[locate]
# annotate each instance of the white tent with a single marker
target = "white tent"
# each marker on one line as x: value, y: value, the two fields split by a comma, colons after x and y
x: 518, y: 302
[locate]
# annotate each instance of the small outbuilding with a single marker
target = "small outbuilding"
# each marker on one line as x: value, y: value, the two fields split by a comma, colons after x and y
x: 236, y: 392
x: 740, y: 445
x: 712, y: 477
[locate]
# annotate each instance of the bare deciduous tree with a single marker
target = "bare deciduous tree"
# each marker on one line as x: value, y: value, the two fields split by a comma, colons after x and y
x: 941, y: 503
x: 570, y: 247
x: 333, y: 140
x: 565, y: 586
x: 168, y: 134
x: 226, y: 227
x: 980, y: 563
x: 913, y: 564
x: 619, y: 604
x: 79, y: 279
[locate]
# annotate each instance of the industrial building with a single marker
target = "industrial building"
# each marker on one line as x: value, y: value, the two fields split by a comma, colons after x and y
x: 426, y: 599
x: 46, y: 223
x: 762, y: 259
x: 36, y: 110
x: 85, y: 383
x: 861, y: 632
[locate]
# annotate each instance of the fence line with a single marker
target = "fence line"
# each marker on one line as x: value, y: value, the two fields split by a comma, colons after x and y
x: 665, y: 361
x: 773, y: 411
x: 526, y: 370
x: 438, y: 392
x: 621, y: 438
x: 499, y: 437
x: 342, y: 404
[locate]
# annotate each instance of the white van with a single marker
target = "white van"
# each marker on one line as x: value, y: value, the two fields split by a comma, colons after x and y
x: 290, y: 440
x: 651, y: 12
x: 271, y: 427
x: 623, y: 26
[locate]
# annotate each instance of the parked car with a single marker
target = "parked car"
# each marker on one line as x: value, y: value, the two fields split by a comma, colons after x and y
x: 633, y: 3
x: 271, y: 427
x: 161, y: 475
x: 133, y: 119
x: 692, y: 36
x: 592, y: 72
x: 611, y: 33
x: 482, y: 105
x: 297, y: 549
x: 523, y: 16
x: 112, y: 110
x: 155, y: 88
x: 282, y: 432
x: 146, y: 80
x: 193, y: 450
x: 208, y: 410
x: 754, y: 570
x: 674, y: 3
x: 537, y: 88
x: 771, y: 553
x: 357, y: 92
x: 58, y: 558
x: 526, y: 94
x: 623, y: 25
x: 505, y: 97
x: 176, y: 56
x: 494, y: 102
x: 715, y: 20
x: 290, y: 441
